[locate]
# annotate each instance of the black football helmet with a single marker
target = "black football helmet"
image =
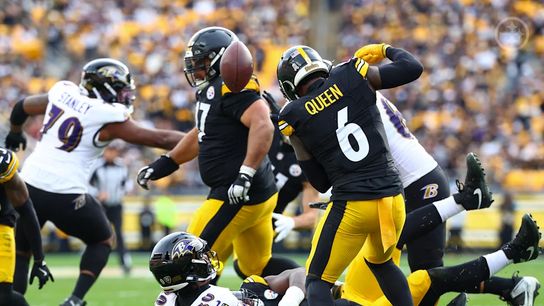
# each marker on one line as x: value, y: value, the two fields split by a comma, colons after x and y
x: 295, y: 65
x: 204, y: 52
x: 108, y: 79
x: 181, y: 258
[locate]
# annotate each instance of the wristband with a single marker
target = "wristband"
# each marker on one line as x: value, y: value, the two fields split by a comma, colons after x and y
x: 18, y: 115
x: 294, y: 295
x: 162, y: 167
x: 247, y: 170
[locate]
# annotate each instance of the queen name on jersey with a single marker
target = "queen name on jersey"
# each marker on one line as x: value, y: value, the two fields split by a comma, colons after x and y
x: 67, y: 150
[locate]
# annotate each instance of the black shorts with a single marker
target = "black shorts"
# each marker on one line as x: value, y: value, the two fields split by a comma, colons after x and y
x: 427, y: 251
x: 78, y: 215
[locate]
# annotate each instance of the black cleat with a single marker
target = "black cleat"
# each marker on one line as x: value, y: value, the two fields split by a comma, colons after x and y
x: 523, y: 293
x: 524, y: 246
x: 460, y: 300
x: 474, y: 193
x: 73, y: 301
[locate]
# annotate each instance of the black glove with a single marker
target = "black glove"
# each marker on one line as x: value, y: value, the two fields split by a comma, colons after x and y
x: 41, y: 271
x: 238, y: 191
x: 15, y: 140
x: 160, y: 168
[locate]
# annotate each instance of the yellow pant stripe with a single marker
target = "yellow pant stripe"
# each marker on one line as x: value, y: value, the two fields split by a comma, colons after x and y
x: 7, y: 254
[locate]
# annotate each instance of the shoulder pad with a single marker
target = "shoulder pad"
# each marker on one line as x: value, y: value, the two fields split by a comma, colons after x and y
x: 252, y: 85
x: 9, y: 163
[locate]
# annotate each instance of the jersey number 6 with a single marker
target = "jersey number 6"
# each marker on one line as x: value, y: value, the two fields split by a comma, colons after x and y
x: 343, y: 133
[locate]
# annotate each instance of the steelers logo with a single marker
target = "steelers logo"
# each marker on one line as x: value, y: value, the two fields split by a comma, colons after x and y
x: 210, y: 94
x: 512, y: 33
x: 295, y: 170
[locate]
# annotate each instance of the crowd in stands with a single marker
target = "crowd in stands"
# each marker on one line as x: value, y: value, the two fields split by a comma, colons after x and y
x: 473, y: 96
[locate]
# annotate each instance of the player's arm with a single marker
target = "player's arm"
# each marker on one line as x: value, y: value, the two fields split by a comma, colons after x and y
x: 290, y: 283
x: 312, y: 169
x: 404, y: 68
x: 29, y: 106
x: 261, y: 132
x: 308, y: 218
x: 17, y: 194
x: 185, y: 150
x: 130, y: 131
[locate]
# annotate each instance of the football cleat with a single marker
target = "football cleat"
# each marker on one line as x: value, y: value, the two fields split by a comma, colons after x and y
x: 474, y: 193
x: 524, y: 246
x: 524, y: 292
x: 460, y: 300
x: 73, y: 301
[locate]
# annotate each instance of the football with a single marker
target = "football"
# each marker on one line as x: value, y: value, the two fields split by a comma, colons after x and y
x: 236, y: 66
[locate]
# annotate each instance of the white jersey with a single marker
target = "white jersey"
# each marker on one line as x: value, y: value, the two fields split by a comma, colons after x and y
x: 212, y: 296
x: 64, y: 156
x: 411, y: 159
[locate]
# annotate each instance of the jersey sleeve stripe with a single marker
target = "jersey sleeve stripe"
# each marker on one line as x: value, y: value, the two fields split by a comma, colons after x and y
x: 362, y: 67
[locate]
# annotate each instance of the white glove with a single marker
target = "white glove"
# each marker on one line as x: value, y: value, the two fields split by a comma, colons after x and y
x: 238, y: 191
x: 284, y: 225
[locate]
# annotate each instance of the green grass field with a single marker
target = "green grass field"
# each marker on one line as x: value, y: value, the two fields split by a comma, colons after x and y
x: 114, y: 289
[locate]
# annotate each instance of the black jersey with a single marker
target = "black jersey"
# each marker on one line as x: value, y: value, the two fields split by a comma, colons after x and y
x: 339, y: 122
x: 256, y: 286
x: 8, y: 167
x: 223, y: 139
x: 288, y: 174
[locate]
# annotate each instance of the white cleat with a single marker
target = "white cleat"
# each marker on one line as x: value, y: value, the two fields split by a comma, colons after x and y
x: 524, y: 292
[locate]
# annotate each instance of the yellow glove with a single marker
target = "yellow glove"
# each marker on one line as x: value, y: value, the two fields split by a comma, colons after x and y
x: 373, y: 53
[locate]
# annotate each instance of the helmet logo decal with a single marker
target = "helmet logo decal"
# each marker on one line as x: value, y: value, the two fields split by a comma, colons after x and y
x: 295, y: 66
x: 108, y: 71
x: 186, y: 247
x: 167, y: 280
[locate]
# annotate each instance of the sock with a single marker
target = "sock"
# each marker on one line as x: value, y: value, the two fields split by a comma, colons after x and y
x: 448, y: 208
x: 318, y: 291
x: 20, y: 278
x: 93, y: 260
x: 498, y: 286
x: 465, y: 277
x: 496, y: 261
x: 392, y: 282
x: 419, y: 222
x: 276, y: 265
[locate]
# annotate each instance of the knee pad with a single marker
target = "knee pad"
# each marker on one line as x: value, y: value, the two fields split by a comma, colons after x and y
x: 95, y: 258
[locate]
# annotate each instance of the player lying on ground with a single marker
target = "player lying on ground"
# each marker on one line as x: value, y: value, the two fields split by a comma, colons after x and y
x: 183, y: 266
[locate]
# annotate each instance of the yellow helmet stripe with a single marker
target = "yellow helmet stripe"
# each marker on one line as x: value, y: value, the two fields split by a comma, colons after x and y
x: 304, y: 55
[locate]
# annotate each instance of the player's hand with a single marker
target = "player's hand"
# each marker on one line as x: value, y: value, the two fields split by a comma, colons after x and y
x: 41, y: 271
x: 373, y: 53
x: 15, y: 140
x: 160, y: 168
x: 284, y: 225
x: 238, y: 191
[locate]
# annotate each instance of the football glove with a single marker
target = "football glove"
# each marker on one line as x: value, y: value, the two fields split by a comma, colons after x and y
x: 15, y: 140
x: 238, y: 191
x: 160, y: 168
x: 373, y: 53
x: 41, y: 271
x: 284, y: 225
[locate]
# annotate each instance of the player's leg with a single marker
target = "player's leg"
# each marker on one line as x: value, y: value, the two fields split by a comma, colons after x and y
x: 379, y: 247
x: 253, y: 246
x: 8, y: 297
x: 115, y: 215
x: 82, y: 216
x: 427, y: 250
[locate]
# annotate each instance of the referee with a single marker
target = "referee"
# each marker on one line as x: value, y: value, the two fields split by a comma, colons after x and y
x: 109, y: 185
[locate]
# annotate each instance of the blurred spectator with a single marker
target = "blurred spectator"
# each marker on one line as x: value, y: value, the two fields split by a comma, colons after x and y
x: 507, y: 210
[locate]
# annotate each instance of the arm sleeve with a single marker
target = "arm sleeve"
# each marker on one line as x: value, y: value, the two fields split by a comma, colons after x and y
x: 404, y: 69
x: 31, y: 228
x: 316, y: 175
